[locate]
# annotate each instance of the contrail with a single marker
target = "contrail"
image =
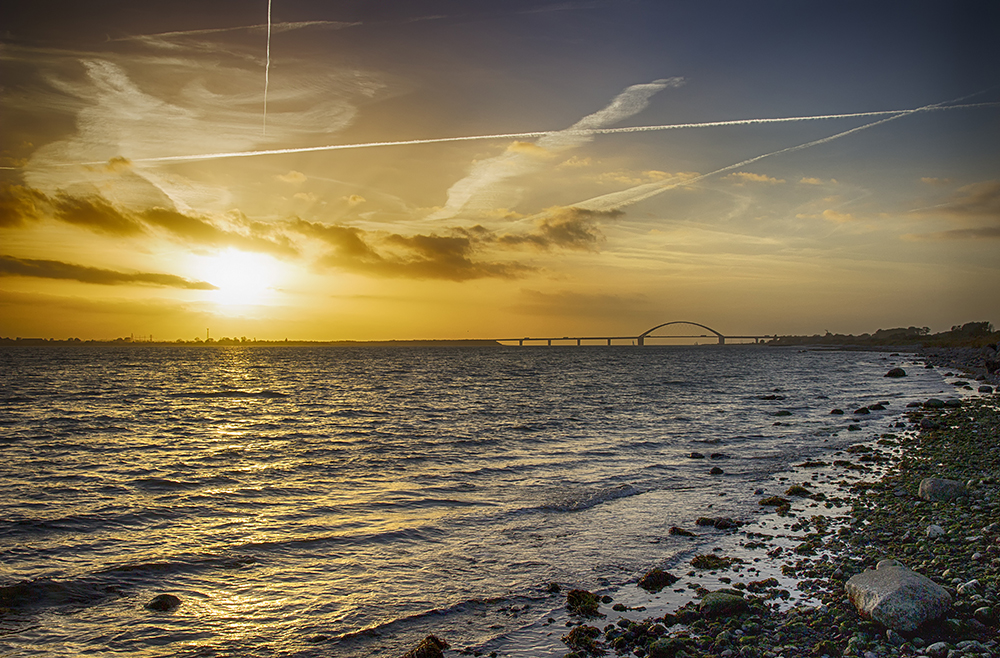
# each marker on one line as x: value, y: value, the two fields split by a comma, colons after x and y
x: 639, y: 193
x: 267, y: 65
x: 537, y: 133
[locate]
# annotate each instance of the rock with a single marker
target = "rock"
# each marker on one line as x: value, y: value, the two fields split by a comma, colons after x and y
x: 163, y: 603
x: 722, y: 603
x: 681, y: 532
x: 938, y: 650
x: 894, y: 638
x: 837, y: 411
x: 696, y: 455
x: 725, y: 523
x: 668, y: 647
x: 773, y: 501
x: 716, y: 471
x: 969, y: 588
x: 656, y: 579
x: 953, y: 403
x: 797, y: 490
x: 895, y: 372
x: 431, y: 647
x: 583, y: 603
x: 928, y: 424
x: 896, y: 597
x: 935, y: 531
x: 937, y: 489
x: 553, y: 588
x: 934, y: 403
x: 985, y: 389
x: 862, y: 410
x: 718, y: 455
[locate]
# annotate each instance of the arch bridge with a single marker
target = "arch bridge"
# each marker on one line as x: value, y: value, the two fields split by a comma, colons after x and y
x: 639, y: 340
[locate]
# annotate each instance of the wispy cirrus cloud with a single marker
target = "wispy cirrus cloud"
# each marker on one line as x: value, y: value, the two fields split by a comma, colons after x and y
x: 51, y: 269
x: 486, y: 185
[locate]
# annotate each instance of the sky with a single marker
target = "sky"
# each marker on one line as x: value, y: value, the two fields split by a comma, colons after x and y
x: 172, y: 169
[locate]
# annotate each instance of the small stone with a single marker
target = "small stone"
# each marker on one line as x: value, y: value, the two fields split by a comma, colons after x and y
x: 934, y: 531
x: 894, y: 638
x: 696, y: 455
x: 895, y: 372
x: 862, y: 410
x: 970, y: 587
x: 837, y: 411
x: 985, y: 389
x: 716, y: 471
x: 681, y: 532
x: 934, y: 403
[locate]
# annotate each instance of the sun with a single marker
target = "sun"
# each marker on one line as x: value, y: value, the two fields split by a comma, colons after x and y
x: 241, y: 278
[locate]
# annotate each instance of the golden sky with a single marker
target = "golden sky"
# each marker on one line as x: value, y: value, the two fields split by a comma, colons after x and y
x: 149, y: 187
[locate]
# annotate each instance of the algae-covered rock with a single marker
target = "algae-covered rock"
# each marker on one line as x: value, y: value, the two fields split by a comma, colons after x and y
x: 711, y: 561
x: 668, y: 647
x: 163, y: 603
x: 431, y: 647
x: 773, y: 501
x: 656, y: 579
x: 722, y: 603
x: 896, y: 597
x: 583, y: 603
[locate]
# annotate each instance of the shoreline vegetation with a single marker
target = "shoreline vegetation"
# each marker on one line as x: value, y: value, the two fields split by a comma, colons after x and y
x: 969, y: 335
x: 879, y: 508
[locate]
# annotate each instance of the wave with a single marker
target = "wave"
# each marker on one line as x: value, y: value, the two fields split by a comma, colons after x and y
x: 592, y: 499
x: 230, y: 394
x: 29, y: 595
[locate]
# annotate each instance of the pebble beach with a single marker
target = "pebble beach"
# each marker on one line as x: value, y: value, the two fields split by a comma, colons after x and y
x: 777, y: 587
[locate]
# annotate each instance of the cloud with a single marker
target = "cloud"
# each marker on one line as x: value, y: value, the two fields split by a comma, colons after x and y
x: 974, y: 201
x: 21, y: 204
x: 354, y: 200
x: 817, y: 181
x: 566, y: 228
x: 839, y: 217
x: 927, y: 180
x: 51, y: 269
x: 982, y: 233
x: 445, y: 257
x: 486, y: 185
x: 293, y: 177
x: 743, y: 177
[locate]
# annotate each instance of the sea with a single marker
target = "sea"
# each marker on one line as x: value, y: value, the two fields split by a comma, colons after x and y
x: 348, y: 501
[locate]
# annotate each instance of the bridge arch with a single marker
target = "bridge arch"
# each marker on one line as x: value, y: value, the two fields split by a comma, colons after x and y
x: 642, y: 337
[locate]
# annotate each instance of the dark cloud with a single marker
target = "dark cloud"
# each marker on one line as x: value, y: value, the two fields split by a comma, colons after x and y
x: 20, y: 205
x: 52, y: 269
x: 202, y: 232
x: 982, y: 233
x: 564, y: 228
x: 451, y: 257
x: 95, y: 214
x: 976, y: 200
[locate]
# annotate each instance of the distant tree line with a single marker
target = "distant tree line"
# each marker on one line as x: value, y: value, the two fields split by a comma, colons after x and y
x: 970, y: 334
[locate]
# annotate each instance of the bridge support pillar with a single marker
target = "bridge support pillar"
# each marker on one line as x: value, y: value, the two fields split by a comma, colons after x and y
x: 722, y: 340
x: 609, y: 342
x: 520, y: 343
x: 641, y: 341
x: 550, y: 342
x: 578, y: 342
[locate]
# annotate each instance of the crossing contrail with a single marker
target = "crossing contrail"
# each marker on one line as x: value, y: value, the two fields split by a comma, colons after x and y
x: 632, y: 195
x: 267, y: 65
x: 538, y: 133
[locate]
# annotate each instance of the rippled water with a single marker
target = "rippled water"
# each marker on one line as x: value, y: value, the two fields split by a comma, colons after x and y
x: 346, y: 501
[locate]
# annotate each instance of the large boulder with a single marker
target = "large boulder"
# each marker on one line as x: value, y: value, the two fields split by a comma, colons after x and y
x: 896, y: 597
x: 938, y: 489
x: 723, y: 603
x: 895, y: 372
